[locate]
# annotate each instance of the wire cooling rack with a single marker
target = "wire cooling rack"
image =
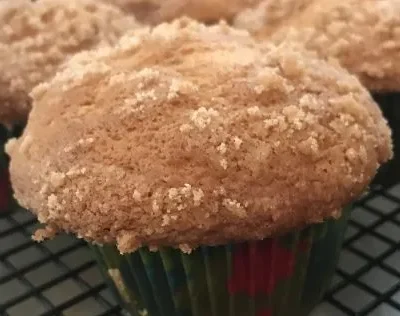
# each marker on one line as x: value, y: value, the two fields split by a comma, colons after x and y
x: 59, y: 277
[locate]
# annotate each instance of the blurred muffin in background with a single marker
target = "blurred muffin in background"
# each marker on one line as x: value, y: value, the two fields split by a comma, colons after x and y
x: 36, y: 37
x: 364, y: 36
x: 208, y: 11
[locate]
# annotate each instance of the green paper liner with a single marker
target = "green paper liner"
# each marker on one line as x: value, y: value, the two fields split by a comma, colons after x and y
x: 282, y: 276
x: 389, y: 174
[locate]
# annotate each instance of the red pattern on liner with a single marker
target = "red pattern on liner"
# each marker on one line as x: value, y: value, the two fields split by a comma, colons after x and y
x: 265, y: 312
x: 256, y: 269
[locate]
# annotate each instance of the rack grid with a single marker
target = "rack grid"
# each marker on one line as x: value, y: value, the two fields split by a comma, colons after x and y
x: 59, y: 277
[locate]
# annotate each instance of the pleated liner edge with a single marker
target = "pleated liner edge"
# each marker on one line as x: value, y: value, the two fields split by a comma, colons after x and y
x: 274, y: 277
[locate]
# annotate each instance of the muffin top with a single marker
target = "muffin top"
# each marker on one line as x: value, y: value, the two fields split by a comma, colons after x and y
x: 363, y: 35
x: 157, y: 11
x: 36, y: 37
x: 188, y: 135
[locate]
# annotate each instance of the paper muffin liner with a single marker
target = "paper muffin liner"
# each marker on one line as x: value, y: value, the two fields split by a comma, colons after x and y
x: 389, y: 174
x: 282, y: 276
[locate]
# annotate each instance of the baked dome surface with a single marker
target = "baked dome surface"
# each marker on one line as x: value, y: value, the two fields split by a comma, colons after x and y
x: 363, y: 35
x: 187, y: 135
x: 36, y: 37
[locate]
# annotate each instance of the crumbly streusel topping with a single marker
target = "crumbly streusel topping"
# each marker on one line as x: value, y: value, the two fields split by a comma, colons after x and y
x: 186, y: 135
x: 36, y: 37
x: 364, y: 36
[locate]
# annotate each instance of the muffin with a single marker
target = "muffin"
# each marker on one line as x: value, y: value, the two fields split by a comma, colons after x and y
x: 36, y: 37
x: 364, y: 36
x: 208, y: 11
x: 211, y: 173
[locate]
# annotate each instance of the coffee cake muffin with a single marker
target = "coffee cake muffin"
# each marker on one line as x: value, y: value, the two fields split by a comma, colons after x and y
x: 211, y: 173
x: 35, y: 38
x: 364, y: 36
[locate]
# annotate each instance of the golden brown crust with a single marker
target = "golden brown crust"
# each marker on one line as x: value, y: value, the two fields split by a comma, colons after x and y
x: 187, y: 135
x: 36, y: 37
x: 208, y: 11
x: 363, y: 35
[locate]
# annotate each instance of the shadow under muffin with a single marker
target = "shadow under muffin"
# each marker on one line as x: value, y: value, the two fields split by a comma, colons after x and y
x: 7, y: 202
x: 389, y: 174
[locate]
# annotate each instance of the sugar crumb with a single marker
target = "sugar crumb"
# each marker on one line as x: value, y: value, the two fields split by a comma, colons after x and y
x: 224, y: 163
x: 180, y: 86
x: 43, y: 234
x: 127, y: 242
x: 254, y: 111
x: 222, y: 148
x: 198, y: 195
x: 351, y: 154
x: 53, y: 203
x: 165, y: 220
x: 146, y: 95
x: 117, y: 79
x: 202, y: 117
x: 155, y: 206
x: 44, y: 189
x: 10, y: 145
x: 235, y: 207
x: 308, y: 101
x: 57, y: 179
x: 137, y: 196
x: 276, y: 121
x: 185, y: 248
x: 185, y: 128
x: 309, y: 146
x: 237, y: 142
x: 153, y: 248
